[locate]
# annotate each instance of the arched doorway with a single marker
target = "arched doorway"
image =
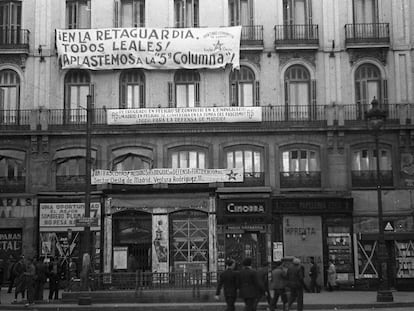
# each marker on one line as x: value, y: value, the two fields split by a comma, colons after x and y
x: 133, y: 229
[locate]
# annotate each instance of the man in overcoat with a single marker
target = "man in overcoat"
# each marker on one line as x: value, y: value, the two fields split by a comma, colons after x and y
x: 229, y: 281
x: 250, y: 286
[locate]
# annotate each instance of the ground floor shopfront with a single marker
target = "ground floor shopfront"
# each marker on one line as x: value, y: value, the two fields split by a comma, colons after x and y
x: 170, y: 232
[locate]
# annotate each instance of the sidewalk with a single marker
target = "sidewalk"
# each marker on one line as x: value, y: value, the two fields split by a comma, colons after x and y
x: 323, y: 300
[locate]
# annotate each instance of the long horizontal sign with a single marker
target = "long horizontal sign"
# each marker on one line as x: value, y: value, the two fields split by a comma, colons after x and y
x: 149, y: 48
x: 166, y: 176
x: 184, y: 115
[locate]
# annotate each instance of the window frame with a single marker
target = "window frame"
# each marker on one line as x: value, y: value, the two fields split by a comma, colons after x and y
x: 238, y: 79
x: 187, y: 78
x: 73, y: 14
x: 200, y: 151
x: 183, y: 17
x: 135, y: 78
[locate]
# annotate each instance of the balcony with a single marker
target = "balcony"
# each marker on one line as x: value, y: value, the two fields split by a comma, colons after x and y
x: 367, y: 35
x: 368, y: 179
x: 72, y: 183
x: 14, y: 41
x: 15, y: 118
x: 251, y: 179
x: 251, y: 38
x: 296, y: 37
x: 300, y: 179
x: 12, y: 185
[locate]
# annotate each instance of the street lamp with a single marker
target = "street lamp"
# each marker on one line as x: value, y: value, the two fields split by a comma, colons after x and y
x: 376, y: 119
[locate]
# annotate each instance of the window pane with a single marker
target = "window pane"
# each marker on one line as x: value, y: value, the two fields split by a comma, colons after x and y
x: 191, y: 96
x: 239, y: 159
x: 192, y: 155
x: 300, y: 12
x: 183, y: 159
x: 248, y: 161
x: 230, y: 160
x: 246, y: 94
x: 201, y: 160
x: 285, y: 161
x: 127, y: 14
x: 181, y: 93
x: 257, y: 162
x: 245, y: 12
x: 174, y: 160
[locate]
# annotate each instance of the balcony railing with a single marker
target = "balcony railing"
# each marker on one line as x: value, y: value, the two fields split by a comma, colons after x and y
x: 12, y: 185
x: 15, y: 117
x: 73, y: 183
x: 251, y: 179
x: 296, y: 35
x: 369, y: 33
x: 368, y: 178
x: 300, y: 179
x: 252, y: 35
x: 304, y: 115
x: 12, y: 38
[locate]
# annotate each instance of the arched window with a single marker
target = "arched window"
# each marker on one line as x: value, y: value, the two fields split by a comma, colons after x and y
x: 186, y: 13
x: 78, y: 14
x: 300, y: 168
x: 132, y: 89
x: 369, y: 84
x: 12, y: 172
x: 300, y: 94
x: 129, y: 13
x: 250, y: 160
x: 244, y: 89
x: 364, y: 167
x: 130, y: 162
x: 77, y: 88
x: 9, y: 96
x: 188, y: 159
x: 187, y: 89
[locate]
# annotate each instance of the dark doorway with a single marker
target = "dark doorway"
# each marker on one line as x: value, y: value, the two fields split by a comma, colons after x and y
x: 247, y: 244
x: 134, y: 230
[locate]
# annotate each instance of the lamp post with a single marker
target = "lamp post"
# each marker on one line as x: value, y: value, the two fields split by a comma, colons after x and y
x: 376, y: 118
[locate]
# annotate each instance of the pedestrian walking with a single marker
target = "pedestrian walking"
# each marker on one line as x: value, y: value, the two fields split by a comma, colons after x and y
x: 331, y: 283
x: 249, y: 285
x: 29, y: 276
x: 295, y: 278
x: 19, y: 278
x: 229, y: 281
x: 313, y: 274
x: 263, y: 277
x: 40, y: 278
x: 12, y: 277
x: 54, y: 279
x: 278, y: 286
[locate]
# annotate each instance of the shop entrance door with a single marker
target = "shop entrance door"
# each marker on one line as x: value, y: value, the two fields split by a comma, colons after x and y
x: 142, y: 253
x: 247, y: 244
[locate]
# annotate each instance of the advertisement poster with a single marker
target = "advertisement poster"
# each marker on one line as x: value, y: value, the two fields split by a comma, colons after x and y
x: 120, y: 257
x: 160, y: 243
x: 10, y: 243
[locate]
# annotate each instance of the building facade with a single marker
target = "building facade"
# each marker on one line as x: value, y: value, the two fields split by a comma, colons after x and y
x: 310, y: 186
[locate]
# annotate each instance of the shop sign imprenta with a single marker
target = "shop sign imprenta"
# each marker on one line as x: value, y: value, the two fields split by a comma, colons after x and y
x: 149, y: 48
x: 166, y: 176
x: 184, y: 115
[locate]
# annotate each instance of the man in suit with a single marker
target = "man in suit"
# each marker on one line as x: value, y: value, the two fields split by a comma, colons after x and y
x: 249, y: 285
x: 229, y: 281
x: 295, y: 277
x: 278, y: 285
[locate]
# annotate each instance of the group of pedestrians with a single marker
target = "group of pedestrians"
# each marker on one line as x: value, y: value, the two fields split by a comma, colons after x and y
x: 29, y: 275
x: 286, y: 283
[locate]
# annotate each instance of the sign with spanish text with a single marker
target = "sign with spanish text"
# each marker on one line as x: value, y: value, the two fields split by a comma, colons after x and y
x: 61, y: 216
x: 149, y: 48
x: 10, y: 243
x: 166, y: 176
x: 184, y: 115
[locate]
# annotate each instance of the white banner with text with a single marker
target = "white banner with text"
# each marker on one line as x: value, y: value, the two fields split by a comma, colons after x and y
x: 149, y: 48
x: 166, y: 176
x: 184, y: 115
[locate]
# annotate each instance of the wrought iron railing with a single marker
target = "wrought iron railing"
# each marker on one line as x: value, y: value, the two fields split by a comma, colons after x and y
x: 368, y: 178
x: 252, y: 35
x: 297, y: 34
x: 303, y: 114
x: 300, y: 179
x: 367, y: 33
x: 10, y: 37
x: 151, y: 280
x: 13, y: 185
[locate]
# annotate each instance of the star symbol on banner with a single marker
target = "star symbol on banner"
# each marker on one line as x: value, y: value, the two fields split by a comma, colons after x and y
x: 218, y: 46
x: 232, y: 175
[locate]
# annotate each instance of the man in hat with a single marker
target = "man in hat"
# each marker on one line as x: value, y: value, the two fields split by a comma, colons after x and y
x: 249, y: 285
x: 229, y: 280
x: 295, y: 278
x: 278, y: 285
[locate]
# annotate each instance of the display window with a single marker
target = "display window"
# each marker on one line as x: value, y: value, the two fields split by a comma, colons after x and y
x: 404, y: 259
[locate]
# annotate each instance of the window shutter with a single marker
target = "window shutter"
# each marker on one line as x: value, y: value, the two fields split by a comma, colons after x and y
x: 257, y: 93
x: 141, y: 96
x: 88, y: 15
x: 286, y: 100
x: 1, y: 99
x: 141, y: 14
x: 197, y: 94
x: 171, y: 103
x: 116, y: 14
x: 309, y: 12
x: 313, y: 100
x: 234, y: 91
x: 384, y: 91
x: 92, y: 92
